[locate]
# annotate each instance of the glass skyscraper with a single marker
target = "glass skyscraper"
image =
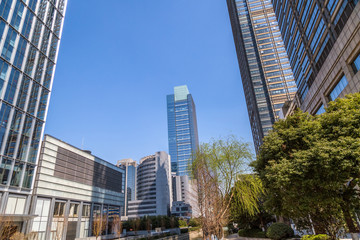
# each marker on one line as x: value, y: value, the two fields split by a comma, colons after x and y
x: 311, y: 30
x: 182, y: 129
x: 265, y: 70
x: 30, y: 33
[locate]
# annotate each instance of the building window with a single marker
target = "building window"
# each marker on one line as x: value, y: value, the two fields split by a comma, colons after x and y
x: 74, y: 209
x: 356, y: 64
x: 321, y: 110
x: 15, y: 205
x: 338, y: 88
x: 40, y: 222
x: 59, y: 209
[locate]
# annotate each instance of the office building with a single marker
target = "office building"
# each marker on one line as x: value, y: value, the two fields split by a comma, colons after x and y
x: 184, y: 190
x: 72, y: 186
x: 322, y: 39
x: 30, y: 33
x: 154, y: 193
x: 182, y: 129
x: 181, y: 209
x: 129, y: 166
x: 264, y: 66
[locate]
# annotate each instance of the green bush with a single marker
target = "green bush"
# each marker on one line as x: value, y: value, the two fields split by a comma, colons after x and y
x: 194, y: 229
x: 194, y: 222
x: 182, y: 223
x: 316, y: 237
x: 278, y: 231
x: 252, y: 233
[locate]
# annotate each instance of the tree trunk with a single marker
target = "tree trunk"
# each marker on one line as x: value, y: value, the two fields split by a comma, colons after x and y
x: 350, y: 223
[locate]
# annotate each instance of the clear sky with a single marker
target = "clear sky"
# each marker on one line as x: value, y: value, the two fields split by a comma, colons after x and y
x: 119, y: 59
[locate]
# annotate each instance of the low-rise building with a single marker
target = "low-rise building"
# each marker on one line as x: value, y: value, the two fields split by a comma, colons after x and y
x: 71, y: 187
x: 184, y: 190
x: 181, y: 209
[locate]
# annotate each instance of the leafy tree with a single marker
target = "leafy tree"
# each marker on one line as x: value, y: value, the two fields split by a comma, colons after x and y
x: 218, y: 169
x: 310, y: 167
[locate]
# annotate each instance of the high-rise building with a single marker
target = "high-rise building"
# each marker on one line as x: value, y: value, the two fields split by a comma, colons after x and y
x: 322, y: 39
x: 264, y: 66
x: 154, y: 189
x: 30, y: 33
x: 129, y: 165
x: 182, y: 129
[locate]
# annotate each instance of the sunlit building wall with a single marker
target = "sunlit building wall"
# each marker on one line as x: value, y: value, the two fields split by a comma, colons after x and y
x: 264, y: 66
x: 323, y: 44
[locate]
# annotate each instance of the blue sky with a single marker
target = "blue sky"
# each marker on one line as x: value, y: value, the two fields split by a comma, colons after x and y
x: 119, y: 59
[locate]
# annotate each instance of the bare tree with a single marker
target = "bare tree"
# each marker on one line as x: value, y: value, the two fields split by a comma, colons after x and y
x: 7, y: 228
x: 22, y: 236
x: 218, y: 170
x: 117, y: 225
x: 99, y: 225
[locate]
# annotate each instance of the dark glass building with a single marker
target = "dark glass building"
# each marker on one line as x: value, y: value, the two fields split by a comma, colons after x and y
x: 182, y: 129
x: 264, y: 66
x: 321, y: 39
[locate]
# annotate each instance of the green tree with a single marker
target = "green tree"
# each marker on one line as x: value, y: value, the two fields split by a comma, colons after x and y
x: 218, y: 169
x: 310, y: 167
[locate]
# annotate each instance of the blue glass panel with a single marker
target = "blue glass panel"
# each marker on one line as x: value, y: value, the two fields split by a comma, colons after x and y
x: 356, y: 64
x: 3, y: 71
x: 27, y: 24
x: 338, y: 88
x: 16, y: 17
x: 5, y: 8
x: 2, y: 26
x: 20, y: 52
x: 320, y: 110
x: 4, y: 118
x: 9, y: 44
x: 12, y: 84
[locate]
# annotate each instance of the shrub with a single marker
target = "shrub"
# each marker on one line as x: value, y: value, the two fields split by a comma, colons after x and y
x: 194, y: 229
x: 194, y: 222
x: 278, y: 231
x: 316, y: 237
x: 182, y: 223
x: 254, y: 233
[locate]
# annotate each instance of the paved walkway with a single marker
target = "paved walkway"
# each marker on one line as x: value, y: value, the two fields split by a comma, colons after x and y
x: 233, y: 236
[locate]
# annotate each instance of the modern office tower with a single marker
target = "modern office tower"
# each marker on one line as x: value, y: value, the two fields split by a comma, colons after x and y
x: 264, y: 66
x: 182, y: 129
x: 72, y: 187
x: 154, y: 193
x: 129, y: 166
x: 30, y: 33
x: 322, y: 39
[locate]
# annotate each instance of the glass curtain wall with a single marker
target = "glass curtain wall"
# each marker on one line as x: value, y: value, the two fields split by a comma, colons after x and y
x: 30, y: 32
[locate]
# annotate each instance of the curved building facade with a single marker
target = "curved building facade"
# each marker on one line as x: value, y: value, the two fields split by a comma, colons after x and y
x: 154, y: 190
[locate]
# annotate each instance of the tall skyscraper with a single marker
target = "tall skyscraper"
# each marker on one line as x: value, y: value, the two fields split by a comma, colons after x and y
x: 265, y: 70
x: 182, y: 129
x: 30, y: 33
x: 323, y: 44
